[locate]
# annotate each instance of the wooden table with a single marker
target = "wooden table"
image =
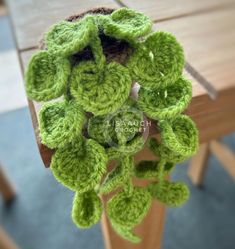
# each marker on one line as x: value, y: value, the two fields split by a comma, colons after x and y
x: 206, y: 30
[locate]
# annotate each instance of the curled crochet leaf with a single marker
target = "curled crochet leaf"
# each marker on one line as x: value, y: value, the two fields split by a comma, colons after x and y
x: 80, y: 165
x: 160, y: 150
x: 46, y: 76
x: 67, y: 38
x: 165, y: 102
x: 87, y: 209
x: 170, y: 193
x: 60, y: 123
x: 118, y: 176
x: 150, y: 169
x: 126, y: 24
x: 157, y: 62
x: 100, y: 91
x: 180, y: 135
x: 127, y: 210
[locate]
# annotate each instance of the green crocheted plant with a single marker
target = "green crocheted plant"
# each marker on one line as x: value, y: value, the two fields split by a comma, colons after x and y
x: 88, y: 65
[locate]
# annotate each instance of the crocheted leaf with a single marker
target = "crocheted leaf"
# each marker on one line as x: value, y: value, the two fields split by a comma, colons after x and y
x: 60, y: 123
x: 67, y: 38
x: 87, y: 209
x: 118, y: 176
x: 180, y: 135
x: 165, y: 102
x: 126, y: 233
x: 170, y: 193
x: 79, y: 166
x: 100, y: 91
x: 130, y: 148
x: 129, y: 209
x: 126, y: 24
x: 160, y: 150
x: 46, y: 76
x: 157, y: 62
x: 149, y: 169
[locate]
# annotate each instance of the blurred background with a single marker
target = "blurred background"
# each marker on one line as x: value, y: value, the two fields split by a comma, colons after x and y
x: 39, y: 216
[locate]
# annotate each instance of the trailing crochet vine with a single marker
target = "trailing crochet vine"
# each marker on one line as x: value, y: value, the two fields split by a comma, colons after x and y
x: 89, y: 64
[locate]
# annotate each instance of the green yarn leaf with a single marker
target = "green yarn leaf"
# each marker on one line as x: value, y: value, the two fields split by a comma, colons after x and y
x: 125, y: 211
x: 150, y: 169
x: 126, y: 24
x: 170, y: 193
x: 87, y: 209
x: 165, y: 102
x: 46, y: 76
x: 160, y: 150
x: 100, y: 91
x: 118, y: 176
x: 157, y: 62
x: 180, y: 135
x: 130, y: 148
x: 80, y: 165
x: 67, y: 38
x: 60, y: 123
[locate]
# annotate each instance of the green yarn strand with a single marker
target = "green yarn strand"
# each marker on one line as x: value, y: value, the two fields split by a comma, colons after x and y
x: 87, y: 209
x: 46, y: 76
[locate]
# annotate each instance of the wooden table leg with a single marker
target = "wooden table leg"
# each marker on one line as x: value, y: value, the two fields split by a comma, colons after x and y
x: 198, y: 165
x: 5, y: 241
x: 6, y: 188
x: 225, y: 156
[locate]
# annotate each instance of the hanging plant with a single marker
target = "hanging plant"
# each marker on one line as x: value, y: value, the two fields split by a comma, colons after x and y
x: 88, y: 63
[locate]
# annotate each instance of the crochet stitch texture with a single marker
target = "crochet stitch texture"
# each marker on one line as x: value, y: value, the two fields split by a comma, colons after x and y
x: 88, y: 65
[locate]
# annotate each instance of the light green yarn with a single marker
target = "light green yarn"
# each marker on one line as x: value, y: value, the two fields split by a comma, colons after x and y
x: 126, y: 210
x: 157, y: 62
x: 100, y: 92
x: 91, y: 64
x: 80, y: 165
x: 67, y: 38
x: 60, y: 123
x: 172, y: 194
x: 46, y: 76
x: 126, y: 24
x: 180, y: 135
x: 118, y: 176
x: 165, y: 102
x: 87, y: 209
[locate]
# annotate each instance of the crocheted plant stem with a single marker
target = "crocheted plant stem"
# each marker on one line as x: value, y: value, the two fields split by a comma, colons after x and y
x: 87, y: 209
x: 80, y: 165
x: 157, y: 62
x: 165, y: 102
x: 60, y: 123
x: 118, y: 176
x: 46, y: 76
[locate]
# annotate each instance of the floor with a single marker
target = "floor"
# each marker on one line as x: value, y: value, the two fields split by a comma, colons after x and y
x: 40, y: 216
